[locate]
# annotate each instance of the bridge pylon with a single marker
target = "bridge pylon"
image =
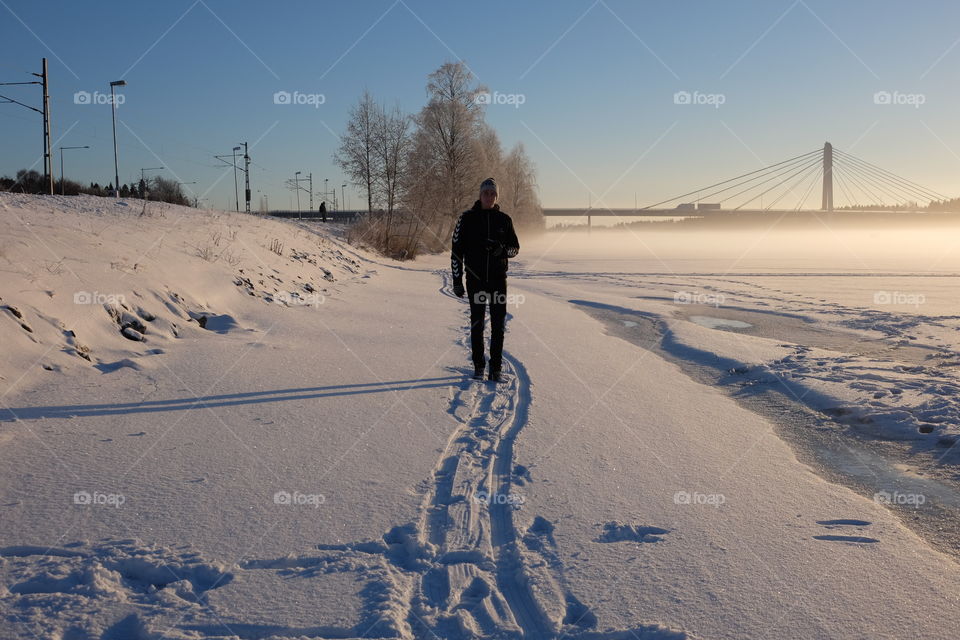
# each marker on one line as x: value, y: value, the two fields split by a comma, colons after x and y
x: 827, y: 177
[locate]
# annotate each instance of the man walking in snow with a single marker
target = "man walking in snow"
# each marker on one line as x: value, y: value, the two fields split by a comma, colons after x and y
x: 483, y: 240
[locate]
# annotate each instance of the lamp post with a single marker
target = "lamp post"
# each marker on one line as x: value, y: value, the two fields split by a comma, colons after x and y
x: 86, y: 146
x: 113, y: 106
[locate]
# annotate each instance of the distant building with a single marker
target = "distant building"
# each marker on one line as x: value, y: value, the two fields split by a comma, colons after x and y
x: 710, y: 206
x: 686, y: 206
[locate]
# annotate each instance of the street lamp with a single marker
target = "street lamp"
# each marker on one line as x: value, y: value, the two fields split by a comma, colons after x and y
x: 296, y: 179
x: 116, y: 164
x: 61, y: 163
x: 236, y: 192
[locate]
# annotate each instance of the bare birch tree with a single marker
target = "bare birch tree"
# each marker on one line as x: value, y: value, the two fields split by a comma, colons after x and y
x: 357, y: 155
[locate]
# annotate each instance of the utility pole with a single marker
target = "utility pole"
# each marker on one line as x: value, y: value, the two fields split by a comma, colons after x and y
x: 47, y: 156
x: 296, y: 179
x: 236, y: 187
x: 232, y: 160
x: 246, y: 173
x: 311, y: 191
x: 45, y: 112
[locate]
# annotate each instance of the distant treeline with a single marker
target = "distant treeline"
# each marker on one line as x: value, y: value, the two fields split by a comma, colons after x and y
x: 952, y: 204
x: 155, y: 188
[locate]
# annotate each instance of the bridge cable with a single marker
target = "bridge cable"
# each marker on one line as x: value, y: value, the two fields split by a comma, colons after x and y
x: 892, y: 175
x: 881, y: 186
x: 843, y: 187
x: 802, y: 168
x: 906, y: 187
x: 853, y: 178
x: 651, y: 206
x: 808, y: 170
x: 806, y: 195
x: 776, y: 172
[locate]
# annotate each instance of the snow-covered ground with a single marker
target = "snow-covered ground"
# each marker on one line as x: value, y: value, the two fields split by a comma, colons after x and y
x: 218, y: 426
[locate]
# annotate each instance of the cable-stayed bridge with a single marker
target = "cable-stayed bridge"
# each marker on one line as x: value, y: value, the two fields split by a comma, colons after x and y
x: 834, y: 178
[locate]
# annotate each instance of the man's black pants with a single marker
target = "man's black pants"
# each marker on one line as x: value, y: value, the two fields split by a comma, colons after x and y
x: 480, y: 296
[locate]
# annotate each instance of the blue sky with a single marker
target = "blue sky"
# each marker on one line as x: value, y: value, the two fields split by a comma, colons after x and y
x: 597, y: 81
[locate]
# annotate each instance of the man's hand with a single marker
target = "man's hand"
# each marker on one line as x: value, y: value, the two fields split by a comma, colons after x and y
x: 494, y: 247
x: 458, y: 289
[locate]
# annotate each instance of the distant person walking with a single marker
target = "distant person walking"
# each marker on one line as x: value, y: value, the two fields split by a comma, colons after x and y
x: 483, y: 240
x: 323, y: 210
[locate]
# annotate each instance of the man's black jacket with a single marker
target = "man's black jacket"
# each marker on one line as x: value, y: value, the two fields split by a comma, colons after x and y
x: 482, y: 241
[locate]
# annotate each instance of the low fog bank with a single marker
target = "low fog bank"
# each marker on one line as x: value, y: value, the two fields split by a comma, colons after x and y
x: 922, y: 249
